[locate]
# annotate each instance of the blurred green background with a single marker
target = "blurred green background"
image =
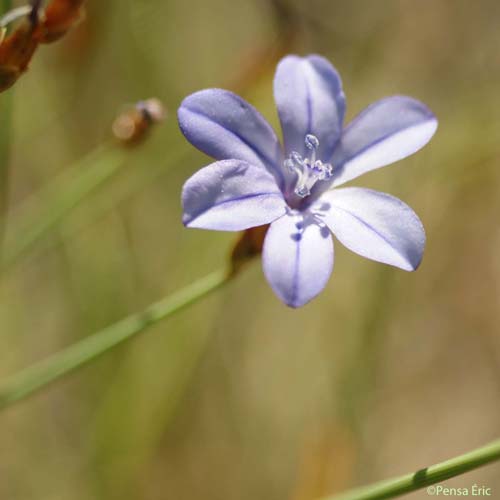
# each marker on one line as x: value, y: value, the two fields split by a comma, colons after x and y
x: 239, y: 397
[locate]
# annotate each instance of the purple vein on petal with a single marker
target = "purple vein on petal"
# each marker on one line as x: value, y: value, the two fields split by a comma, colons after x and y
x: 226, y: 202
x: 368, y: 226
x: 295, y: 282
x: 265, y: 159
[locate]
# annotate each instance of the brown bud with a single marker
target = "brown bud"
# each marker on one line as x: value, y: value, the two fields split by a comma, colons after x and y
x: 248, y: 246
x: 132, y: 126
x: 16, y: 51
x: 58, y: 18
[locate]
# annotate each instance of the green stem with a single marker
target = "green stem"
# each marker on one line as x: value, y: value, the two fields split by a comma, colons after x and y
x: 63, y: 196
x: 38, y: 376
x: 6, y: 6
x: 139, y: 180
x: 6, y: 106
x: 5, y: 139
x: 425, y: 477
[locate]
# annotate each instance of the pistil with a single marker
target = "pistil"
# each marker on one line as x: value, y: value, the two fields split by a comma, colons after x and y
x: 309, y: 170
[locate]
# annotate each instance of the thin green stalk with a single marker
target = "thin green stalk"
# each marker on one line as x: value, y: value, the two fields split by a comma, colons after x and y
x: 425, y: 477
x: 5, y: 139
x: 63, y: 196
x: 138, y: 181
x: 6, y: 105
x: 6, y: 6
x: 40, y: 375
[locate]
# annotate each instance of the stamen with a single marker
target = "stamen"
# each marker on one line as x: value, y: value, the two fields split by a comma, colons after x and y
x: 309, y: 170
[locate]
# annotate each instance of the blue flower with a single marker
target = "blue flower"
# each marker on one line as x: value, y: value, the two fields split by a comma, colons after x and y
x: 255, y: 181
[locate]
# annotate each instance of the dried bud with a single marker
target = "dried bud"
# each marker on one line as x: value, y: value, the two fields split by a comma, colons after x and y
x: 37, y: 26
x: 248, y: 246
x: 132, y: 126
x: 58, y: 18
x: 17, y: 48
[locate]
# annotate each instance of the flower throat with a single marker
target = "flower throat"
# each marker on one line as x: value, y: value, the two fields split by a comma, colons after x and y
x: 309, y: 170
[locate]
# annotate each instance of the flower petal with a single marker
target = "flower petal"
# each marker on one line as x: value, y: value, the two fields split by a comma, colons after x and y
x: 297, y: 261
x: 374, y: 225
x: 387, y: 131
x: 231, y: 195
x: 309, y: 97
x: 225, y: 126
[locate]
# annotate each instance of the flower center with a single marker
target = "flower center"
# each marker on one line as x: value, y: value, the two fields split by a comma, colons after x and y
x: 309, y: 170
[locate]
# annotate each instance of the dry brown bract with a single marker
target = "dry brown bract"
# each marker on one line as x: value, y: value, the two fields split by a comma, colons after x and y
x: 58, y: 18
x: 39, y: 26
x: 133, y: 125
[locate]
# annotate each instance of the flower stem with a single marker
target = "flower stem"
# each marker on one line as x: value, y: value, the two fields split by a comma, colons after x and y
x: 41, y: 374
x: 5, y: 138
x: 6, y: 105
x: 139, y: 180
x: 425, y: 477
x: 6, y: 6
x: 63, y: 196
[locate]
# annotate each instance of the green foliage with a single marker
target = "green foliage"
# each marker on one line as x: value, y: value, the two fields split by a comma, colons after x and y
x: 240, y: 397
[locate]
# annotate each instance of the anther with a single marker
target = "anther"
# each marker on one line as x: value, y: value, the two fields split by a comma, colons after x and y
x: 309, y: 170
